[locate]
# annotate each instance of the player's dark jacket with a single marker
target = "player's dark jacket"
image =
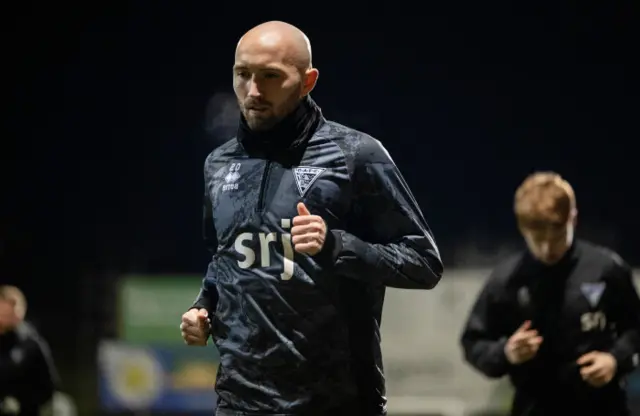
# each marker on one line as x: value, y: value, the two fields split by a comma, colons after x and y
x: 300, y: 334
x: 586, y: 302
x: 27, y: 373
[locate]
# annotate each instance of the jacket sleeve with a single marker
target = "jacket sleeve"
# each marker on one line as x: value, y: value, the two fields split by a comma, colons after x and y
x: 482, y: 338
x: 388, y: 240
x: 627, y: 318
x: 208, y: 296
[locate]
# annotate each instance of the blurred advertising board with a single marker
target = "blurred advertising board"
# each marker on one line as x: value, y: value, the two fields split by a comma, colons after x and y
x: 166, y: 379
x: 633, y: 390
x: 150, y: 307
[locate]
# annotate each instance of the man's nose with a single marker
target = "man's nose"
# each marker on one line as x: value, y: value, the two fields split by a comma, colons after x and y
x: 254, y: 90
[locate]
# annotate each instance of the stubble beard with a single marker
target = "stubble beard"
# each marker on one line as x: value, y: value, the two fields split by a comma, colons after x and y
x: 257, y: 123
x: 264, y: 123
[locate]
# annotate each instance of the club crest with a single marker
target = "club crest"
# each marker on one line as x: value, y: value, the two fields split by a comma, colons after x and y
x: 305, y: 176
x: 593, y: 292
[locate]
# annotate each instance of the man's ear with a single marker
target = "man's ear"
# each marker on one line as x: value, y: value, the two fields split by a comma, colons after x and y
x: 310, y: 78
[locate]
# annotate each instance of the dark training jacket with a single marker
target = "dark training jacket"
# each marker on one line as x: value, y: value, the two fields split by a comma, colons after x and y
x: 28, y: 376
x: 587, y: 302
x: 300, y: 334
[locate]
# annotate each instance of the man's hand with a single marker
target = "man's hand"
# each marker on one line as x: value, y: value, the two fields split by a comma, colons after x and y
x: 523, y: 344
x: 598, y: 368
x: 195, y: 327
x: 308, y: 232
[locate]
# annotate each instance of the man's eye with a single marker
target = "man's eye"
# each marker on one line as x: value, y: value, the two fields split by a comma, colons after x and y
x: 271, y: 75
x: 242, y: 74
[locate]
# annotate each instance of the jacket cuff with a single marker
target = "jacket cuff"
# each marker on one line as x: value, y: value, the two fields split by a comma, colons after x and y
x: 206, y: 300
x: 331, y: 249
x: 625, y: 363
x: 502, y: 360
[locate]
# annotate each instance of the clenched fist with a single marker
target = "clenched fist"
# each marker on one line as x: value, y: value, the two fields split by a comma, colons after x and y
x: 597, y: 368
x: 195, y: 327
x: 523, y: 345
x: 309, y: 232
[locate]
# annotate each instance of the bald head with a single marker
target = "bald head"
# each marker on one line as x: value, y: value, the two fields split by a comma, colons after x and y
x: 272, y: 73
x: 285, y: 40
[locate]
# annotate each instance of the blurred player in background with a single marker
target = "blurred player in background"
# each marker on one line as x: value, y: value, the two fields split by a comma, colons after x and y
x: 308, y: 221
x: 27, y: 374
x: 561, y: 319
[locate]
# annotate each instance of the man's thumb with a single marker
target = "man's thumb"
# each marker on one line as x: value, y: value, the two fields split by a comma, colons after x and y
x: 302, y: 209
x: 202, y: 314
x: 586, y: 358
x: 525, y: 326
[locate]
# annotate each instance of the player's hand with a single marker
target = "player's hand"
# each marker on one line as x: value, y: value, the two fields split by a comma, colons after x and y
x: 308, y: 232
x: 195, y: 327
x: 598, y: 368
x: 523, y: 345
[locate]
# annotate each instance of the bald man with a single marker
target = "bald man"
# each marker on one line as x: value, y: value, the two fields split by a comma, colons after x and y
x: 308, y: 222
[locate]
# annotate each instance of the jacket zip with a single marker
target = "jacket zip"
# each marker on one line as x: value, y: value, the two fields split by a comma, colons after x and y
x: 263, y: 186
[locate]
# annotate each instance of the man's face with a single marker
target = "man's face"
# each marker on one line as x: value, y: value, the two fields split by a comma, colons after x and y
x: 266, y: 87
x: 8, y: 317
x: 548, y: 242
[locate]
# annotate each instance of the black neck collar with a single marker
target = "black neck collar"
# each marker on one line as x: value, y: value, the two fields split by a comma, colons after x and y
x: 287, y: 138
x: 567, y: 260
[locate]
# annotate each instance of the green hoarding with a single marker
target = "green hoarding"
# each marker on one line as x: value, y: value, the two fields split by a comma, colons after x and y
x: 151, y: 307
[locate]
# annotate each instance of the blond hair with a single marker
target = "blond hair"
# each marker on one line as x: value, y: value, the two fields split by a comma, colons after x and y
x: 544, y: 198
x: 14, y: 295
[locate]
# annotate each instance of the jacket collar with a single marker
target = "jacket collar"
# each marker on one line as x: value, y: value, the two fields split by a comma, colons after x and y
x: 286, y: 139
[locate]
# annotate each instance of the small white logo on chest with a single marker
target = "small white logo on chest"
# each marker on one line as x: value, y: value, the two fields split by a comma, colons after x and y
x: 17, y: 355
x: 232, y: 177
x: 524, y: 299
x: 305, y: 177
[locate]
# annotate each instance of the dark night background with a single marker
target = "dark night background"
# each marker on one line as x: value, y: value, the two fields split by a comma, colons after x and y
x: 102, y: 163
